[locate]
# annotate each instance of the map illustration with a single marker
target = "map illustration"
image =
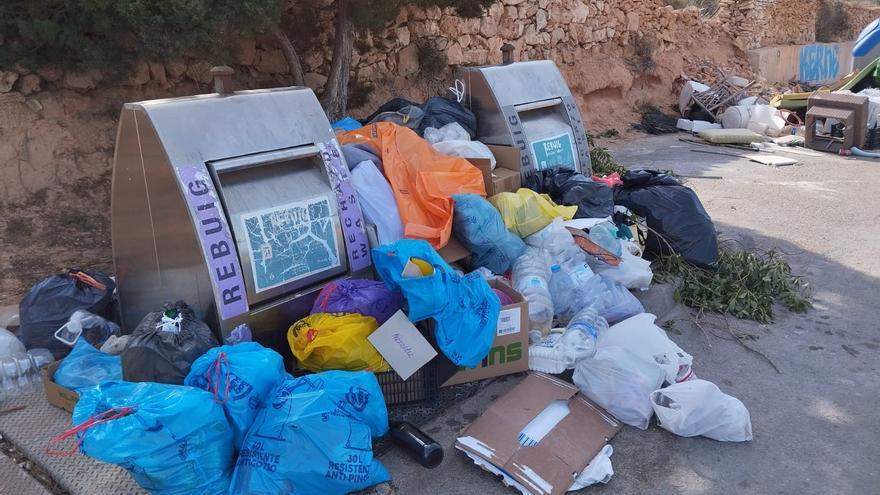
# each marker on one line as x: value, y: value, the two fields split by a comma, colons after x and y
x: 291, y: 242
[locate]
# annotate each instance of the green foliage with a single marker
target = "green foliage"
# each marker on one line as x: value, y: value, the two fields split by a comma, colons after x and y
x: 112, y: 33
x: 744, y: 284
x: 431, y: 60
x: 832, y: 22
x: 359, y: 93
x: 603, y: 162
x: 374, y: 15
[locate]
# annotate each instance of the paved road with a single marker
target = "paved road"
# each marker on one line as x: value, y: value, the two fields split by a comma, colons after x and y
x: 815, y: 424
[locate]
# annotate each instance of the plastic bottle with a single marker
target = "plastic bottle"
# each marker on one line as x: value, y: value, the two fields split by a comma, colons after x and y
x: 20, y: 372
x: 417, y: 444
x: 531, y: 275
x: 572, y: 286
x: 562, y: 349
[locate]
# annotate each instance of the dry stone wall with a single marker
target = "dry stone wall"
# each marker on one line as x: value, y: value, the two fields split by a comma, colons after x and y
x: 59, y: 126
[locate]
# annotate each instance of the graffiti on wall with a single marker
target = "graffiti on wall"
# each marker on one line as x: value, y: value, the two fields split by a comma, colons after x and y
x: 819, y: 63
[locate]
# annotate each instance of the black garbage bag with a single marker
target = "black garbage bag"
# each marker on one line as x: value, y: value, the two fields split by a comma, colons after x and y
x: 436, y: 112
x: 164, y: 345
x: 672, y: 210
x: 51, y: 302
x: 567, y: 187
x: 439, y: 111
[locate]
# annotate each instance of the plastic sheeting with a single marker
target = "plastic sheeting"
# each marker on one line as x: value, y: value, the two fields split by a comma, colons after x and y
x: 422, y: 179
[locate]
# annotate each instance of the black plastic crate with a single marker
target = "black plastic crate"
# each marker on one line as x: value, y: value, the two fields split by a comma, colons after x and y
x: 420, y: 388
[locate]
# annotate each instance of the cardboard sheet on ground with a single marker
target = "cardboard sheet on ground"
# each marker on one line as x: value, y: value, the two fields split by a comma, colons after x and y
x: 550, y: 466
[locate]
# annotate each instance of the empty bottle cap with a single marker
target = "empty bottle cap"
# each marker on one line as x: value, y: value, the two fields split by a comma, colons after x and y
x: 554, y: 268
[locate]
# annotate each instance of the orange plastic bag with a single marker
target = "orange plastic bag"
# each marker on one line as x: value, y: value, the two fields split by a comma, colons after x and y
x: 335, y: 341
x: 422, y: 179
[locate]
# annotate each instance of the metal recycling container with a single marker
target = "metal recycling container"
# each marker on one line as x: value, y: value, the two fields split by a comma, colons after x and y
x: 528, y: 106
x: 239, y: 204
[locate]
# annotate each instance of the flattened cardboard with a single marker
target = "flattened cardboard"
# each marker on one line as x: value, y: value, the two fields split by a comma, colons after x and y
x: 509, y: 352
x: 402, y: 345
x: 551, y: 466
x: 57, y: 395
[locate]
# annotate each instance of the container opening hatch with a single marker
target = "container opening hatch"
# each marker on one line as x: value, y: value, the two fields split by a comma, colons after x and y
x: 548, y: 132
x: 284, y: 220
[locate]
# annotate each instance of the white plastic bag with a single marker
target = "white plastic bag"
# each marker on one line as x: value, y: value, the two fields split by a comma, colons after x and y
x: 377, y: 202
x: 599, y: 470
x: 766, y: 120
x: 9, y: 344
x: 466, y: 149
x: 633, y: 272
x: 643, y: 338
x: 557, y: 242
x: 621, y: 382
x: 699, y: 407
x: 452, y: 131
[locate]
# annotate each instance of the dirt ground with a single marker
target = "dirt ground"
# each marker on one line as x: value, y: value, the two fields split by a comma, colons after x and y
x: 54, y: 230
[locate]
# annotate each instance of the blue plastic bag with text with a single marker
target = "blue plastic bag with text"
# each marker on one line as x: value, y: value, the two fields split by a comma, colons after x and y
x: 463, y: 307
x: 240, y: 377
x: 172, y: 439
x: 315, y: 436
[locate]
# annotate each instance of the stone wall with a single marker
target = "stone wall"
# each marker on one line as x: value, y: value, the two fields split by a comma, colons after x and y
x: 59, y: 126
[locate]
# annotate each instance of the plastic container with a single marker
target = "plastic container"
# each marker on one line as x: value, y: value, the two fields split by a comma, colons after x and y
x: 20, y: 372
x: 531, y: 277
x: 9, y: 343
x: 605, y: 235
x: 561, y: 350
x: 572, y: 287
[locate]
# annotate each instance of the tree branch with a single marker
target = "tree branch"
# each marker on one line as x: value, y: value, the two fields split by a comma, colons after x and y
x: 335, y: 99
x: 293, y: 62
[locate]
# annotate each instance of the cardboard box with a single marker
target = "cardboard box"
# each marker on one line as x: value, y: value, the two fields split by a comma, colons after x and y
x: 453, y: 251
x: 506, y: 176
x: 510, y: 349
x: 57, y: 395
x: 550, y: 466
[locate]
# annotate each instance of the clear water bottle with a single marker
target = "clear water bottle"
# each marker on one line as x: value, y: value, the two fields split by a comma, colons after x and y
x: 531, y: 277
x: 583, y: 331
x: 572, y: 286
x: 20, y: 372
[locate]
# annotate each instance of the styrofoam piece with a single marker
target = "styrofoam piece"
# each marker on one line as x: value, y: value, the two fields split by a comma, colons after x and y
x: 687, y: 91
x: 685, y: 125
x: 702, y: 125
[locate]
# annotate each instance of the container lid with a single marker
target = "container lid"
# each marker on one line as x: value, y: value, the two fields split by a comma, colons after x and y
x: 554, y: 268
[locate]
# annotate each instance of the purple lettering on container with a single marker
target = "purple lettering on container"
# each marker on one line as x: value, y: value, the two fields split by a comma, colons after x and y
x: 218, y: 248
x: 349, y: 210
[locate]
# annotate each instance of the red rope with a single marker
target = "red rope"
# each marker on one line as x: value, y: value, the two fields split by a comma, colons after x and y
x: 103, y: 417
x: 213, y: 375
x: 326, y: 295
x: 88, y: 280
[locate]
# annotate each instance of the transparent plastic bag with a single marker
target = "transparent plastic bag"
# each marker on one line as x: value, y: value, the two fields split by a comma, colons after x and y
x: 621, y: 382
x: 643, y: 338
x: 699, y: 407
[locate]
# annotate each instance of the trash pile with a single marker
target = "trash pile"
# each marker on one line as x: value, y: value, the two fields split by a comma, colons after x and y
x: 838, y: 118
x: 467, y: 276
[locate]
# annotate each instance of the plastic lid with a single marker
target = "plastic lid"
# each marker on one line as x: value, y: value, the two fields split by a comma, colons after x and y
x: 554, y: 268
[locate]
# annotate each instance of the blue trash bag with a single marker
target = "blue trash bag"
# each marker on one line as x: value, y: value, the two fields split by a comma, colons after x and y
x: 86, y: 367
x: 464, y: 308
x: 172, y: 439
x: 240, y: 377
x: 479, y: 226
x: 314, y: 436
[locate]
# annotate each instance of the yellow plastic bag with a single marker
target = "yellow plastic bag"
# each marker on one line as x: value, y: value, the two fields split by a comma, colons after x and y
x: 526, y: 212
x: 338, y: 341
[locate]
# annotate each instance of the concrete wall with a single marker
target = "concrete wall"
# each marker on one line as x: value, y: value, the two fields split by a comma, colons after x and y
x: 816, y: 63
